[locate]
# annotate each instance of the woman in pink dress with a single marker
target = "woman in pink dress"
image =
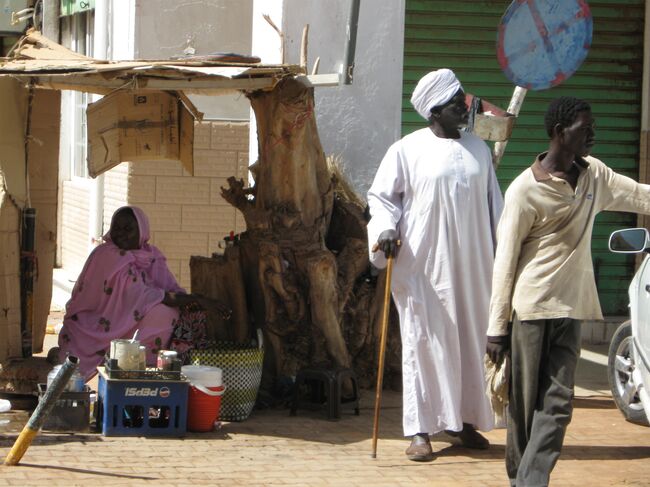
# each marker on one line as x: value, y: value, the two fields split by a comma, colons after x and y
x: 124, y: 287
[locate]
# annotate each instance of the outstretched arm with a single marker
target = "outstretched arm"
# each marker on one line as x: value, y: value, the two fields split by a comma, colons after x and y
x: 176, y: 300
x: 624, y: 194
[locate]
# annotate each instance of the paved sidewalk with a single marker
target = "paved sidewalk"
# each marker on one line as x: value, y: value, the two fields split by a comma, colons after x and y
x: 273, y: 449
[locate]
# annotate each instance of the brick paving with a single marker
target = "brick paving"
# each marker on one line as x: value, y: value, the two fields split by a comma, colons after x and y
x: 273, y: 449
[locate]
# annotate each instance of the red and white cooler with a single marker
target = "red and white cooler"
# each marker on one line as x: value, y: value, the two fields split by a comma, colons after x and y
x: 204, y: 400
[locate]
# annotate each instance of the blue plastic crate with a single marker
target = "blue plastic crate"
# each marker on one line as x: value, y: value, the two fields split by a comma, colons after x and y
x: 129, y: 407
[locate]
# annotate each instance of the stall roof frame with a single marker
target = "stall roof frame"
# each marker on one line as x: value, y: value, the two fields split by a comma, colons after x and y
x: 42, y: 63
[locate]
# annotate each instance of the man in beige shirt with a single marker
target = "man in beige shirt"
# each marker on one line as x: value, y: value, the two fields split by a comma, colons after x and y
x: 543, y: 283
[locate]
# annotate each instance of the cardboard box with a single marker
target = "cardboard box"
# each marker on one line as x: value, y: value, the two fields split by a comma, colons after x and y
x: 493, y: 128
x: 491, y: 122
x: 138, y: 126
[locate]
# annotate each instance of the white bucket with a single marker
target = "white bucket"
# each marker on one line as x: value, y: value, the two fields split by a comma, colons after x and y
x: 204, y: 375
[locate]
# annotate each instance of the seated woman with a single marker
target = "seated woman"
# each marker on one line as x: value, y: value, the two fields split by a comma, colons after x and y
x: 124, y: 287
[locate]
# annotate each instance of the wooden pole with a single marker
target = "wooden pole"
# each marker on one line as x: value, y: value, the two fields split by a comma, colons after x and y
x: 382, y: 353
x: 516, y: 101
x: 303, y: 48
x: 267, y: 17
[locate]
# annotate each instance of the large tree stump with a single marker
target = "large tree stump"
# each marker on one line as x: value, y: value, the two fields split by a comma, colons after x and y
x: 304, y: 253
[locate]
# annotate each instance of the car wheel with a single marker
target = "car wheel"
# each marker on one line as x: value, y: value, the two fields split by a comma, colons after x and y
x: 619, y: 371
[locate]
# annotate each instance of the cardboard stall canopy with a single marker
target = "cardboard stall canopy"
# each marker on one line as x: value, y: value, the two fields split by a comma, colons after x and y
x: 138, y: 126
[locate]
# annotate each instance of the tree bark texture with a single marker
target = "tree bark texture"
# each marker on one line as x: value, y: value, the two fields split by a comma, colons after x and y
x: 303, y: 257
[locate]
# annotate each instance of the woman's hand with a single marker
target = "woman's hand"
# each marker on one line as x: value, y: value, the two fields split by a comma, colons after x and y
x: 177, y: 300
x: 213, y: 305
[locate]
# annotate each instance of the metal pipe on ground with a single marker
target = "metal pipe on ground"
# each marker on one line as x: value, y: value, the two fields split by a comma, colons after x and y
x: 41, y: 412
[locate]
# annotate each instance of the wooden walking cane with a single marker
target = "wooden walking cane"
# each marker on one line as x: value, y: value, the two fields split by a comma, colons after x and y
x: 382, y: 348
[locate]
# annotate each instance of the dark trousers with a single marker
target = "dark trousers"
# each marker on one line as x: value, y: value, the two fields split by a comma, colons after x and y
x: 544, y: 358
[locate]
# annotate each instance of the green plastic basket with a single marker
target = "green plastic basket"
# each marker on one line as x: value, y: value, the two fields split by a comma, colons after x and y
x: 242, y: 372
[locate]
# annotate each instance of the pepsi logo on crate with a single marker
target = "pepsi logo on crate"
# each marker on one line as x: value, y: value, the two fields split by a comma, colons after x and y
x: 146, y: 392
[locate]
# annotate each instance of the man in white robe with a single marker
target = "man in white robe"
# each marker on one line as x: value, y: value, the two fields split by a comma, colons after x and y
x: 437, y: 193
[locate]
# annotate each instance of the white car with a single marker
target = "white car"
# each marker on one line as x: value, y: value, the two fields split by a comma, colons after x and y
x: 629, y: 352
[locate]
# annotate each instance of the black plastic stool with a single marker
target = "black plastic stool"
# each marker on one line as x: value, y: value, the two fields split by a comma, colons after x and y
x: 331, y: 381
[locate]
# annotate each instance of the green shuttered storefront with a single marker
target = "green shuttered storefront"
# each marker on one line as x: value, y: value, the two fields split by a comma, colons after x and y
x: 461, y: 35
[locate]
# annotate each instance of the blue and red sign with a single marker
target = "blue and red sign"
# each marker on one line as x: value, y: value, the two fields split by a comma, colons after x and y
x: 541, y: 43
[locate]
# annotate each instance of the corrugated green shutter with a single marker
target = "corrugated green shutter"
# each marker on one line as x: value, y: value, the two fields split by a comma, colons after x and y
x: 461, y: 35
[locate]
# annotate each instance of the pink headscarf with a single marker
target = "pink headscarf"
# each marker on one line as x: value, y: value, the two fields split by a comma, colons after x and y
x: 146, y: 252
x: 114, y: 291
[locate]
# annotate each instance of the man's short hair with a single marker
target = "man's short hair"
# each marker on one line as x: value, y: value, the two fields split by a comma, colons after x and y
x: 564, y: 111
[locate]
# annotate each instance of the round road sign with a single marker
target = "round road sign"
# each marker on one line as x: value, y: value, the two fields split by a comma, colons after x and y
x: 543, y: 42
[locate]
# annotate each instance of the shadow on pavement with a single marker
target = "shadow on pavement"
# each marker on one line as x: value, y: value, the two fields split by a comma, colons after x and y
x: 84, y: 471
x: 569, y: 452
x: 7, y: 441
x: 495, y: 452
x: 594, y: 403
x: 313, y: 425
x: 600, y: 452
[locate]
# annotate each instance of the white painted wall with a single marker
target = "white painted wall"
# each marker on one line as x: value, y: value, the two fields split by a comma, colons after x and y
x: 358, y: 121
x: 267, y: 46
x: 121, y: 14
x: 266, y: 42
x: 165, y: 28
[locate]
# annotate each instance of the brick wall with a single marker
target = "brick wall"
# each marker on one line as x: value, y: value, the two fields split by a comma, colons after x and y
x: 75, y: 214
x: 74, y: 226
x: 115, y: 192
x: 187, y: 214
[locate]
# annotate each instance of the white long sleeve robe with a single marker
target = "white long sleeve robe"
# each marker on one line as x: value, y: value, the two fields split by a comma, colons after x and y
x: 443, y: 198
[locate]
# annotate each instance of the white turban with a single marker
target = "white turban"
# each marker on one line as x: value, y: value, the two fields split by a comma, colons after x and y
x: 434, y: 89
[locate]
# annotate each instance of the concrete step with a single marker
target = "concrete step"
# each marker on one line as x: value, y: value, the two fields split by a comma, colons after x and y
x: 599, y: 332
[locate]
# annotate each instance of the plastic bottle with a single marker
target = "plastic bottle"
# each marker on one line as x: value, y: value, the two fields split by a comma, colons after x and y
x: 93, y: 404
x: 4, y: 406
x: 75, y: 384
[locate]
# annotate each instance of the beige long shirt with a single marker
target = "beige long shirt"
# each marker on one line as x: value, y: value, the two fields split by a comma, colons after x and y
x: 543, y: 267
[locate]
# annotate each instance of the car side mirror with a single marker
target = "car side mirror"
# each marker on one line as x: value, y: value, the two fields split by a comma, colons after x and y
x: 629, y: 241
